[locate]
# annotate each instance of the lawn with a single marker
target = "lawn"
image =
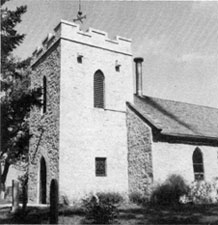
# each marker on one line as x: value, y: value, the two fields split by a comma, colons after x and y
x: 129, y: 214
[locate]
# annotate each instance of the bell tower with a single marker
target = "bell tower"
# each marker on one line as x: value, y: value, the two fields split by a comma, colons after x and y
x: 89, y: 79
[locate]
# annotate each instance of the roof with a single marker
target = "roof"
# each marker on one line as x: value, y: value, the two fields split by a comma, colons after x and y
x: 178, y: 118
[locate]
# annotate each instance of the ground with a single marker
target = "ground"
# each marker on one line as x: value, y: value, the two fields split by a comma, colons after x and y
x: 130, y: 214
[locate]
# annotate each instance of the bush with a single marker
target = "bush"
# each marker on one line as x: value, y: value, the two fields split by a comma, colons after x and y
x: 170, y: 191
x: 101, y: 208
x: 113, y: 197
x: 202, y: 192
x: 138, y: 198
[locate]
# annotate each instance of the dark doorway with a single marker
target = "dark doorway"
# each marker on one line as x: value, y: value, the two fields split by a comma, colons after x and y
x: 43, y: 181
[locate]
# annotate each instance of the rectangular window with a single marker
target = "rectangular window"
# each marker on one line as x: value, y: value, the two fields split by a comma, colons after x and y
x: 199, y: 176
x: 100, y: 167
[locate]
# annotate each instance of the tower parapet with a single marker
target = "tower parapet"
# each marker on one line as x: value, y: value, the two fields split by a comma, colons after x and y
x: 96, y: 38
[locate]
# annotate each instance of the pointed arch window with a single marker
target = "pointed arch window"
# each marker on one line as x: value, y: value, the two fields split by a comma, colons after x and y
x: 198, y: 165
x: 99, y: 91
x: 44, y: 94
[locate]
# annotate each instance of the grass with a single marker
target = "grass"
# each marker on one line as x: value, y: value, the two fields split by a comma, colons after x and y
x: 130, y: 214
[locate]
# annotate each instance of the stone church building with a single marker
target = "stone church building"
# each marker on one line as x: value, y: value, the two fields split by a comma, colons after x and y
x: 94, y: 134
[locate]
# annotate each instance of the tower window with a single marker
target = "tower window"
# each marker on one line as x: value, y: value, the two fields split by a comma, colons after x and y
x: 44, y: 94
x: 100, y: 167
x: 99, y: 89
x: 198, y: 164
x: 117, y: 66
x: 79, y: 58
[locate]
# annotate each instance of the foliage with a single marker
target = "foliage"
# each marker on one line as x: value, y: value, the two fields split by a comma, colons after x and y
x: 138, y: 198
x: 113, y: 197
x: 101, y: 208
x: 17, y: 97
x: 10, y: 39
x: 170, y: 191
x: 202, y: 192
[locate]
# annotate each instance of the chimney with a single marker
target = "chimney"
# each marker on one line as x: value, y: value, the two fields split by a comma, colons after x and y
x: 138, y: 69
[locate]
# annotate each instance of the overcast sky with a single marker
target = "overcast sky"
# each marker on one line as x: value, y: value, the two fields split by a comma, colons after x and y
x: 178, y: 40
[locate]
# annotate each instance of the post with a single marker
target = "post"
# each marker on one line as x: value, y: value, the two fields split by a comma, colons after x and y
x: 0, y: 180
x: 54, y: 202
x: 24, y: 190
x: 15, y: 196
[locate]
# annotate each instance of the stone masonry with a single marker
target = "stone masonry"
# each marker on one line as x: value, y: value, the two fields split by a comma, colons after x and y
x: 45, y: 127
x: 140, y: 169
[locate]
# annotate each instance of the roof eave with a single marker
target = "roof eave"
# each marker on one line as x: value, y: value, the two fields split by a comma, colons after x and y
x: 173, y: 137
x: 196, y: 137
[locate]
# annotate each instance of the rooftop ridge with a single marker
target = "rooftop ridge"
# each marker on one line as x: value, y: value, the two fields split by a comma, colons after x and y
x: 180, y: 102
x: 92, y: 37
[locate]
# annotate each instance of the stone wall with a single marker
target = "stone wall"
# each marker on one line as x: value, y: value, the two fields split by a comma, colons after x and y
x: 45, y: 127
x: 140, y: 171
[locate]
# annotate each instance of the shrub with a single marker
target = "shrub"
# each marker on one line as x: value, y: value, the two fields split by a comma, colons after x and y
x: 113, y: 197
x: 101, y: 208
x: 170, y: 191
x: 202, y: 192
x: 138, y: 198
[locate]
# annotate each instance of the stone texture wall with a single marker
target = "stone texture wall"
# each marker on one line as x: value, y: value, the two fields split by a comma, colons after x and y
x: 169, y: 158
x: 45, y: 127
x: 140, y: 169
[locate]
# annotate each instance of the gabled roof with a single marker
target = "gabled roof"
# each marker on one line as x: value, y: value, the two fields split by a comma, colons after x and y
x: 178, y: 118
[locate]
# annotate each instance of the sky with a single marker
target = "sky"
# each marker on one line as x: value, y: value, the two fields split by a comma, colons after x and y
x: 177, y: 39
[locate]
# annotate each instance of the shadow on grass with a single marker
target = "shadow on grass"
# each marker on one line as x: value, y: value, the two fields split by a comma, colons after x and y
x: 130, y: 214
x: 70, y: 211
x: 36, y: 215
x: 32, y: 215
x: 180, y: 214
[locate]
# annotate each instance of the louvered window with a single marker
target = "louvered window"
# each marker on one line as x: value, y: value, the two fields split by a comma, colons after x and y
x: 99, y: 90
x: 44, y: 94
x: 100, y: 167
x: 198, y: 164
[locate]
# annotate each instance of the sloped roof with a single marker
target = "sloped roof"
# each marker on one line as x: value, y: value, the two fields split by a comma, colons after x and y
x: 178, y: 118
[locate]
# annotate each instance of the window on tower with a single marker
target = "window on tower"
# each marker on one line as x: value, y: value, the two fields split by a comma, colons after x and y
x: 44, y: 94
x: 100, y: 167
x: 99, y: 87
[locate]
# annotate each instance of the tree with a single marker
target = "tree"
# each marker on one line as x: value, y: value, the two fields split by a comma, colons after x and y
x: 17, y: 97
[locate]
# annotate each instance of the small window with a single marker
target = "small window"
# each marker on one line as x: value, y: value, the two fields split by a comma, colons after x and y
x: 100, y: 167
x: 80, y: 59
x: 117, y: 68
x: 198, y: 166
x: 44, y: 94
x: 99, y: 90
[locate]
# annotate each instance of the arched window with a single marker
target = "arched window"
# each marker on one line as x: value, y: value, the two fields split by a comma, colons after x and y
x: 198, y: 165
x: 99, y: 89
x: 44, y: 94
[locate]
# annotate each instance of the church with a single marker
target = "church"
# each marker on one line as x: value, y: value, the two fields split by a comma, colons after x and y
x: 96, y: 133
